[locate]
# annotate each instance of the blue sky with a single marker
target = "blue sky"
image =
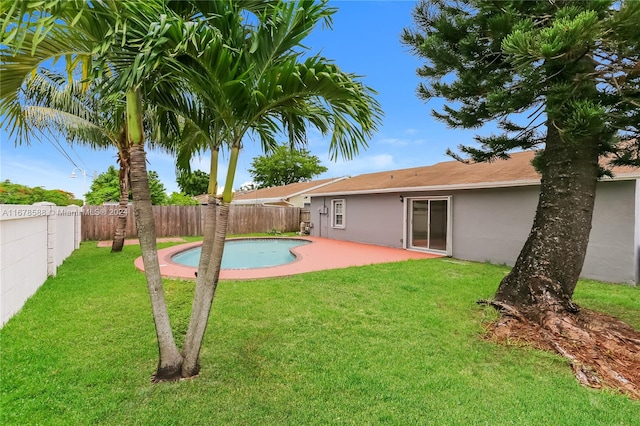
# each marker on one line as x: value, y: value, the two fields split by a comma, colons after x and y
x: 365, y: 40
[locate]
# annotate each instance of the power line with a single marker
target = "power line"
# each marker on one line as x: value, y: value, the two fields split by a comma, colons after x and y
x: 60, y: 149
x: 79, y: 158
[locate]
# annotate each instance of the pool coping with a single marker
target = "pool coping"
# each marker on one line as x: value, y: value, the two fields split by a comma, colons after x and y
x: 320, y: 254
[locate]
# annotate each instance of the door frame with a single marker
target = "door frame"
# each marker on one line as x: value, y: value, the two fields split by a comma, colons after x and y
x: 407, y: 224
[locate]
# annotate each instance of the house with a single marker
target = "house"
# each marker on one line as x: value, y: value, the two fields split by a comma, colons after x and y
x: 202, y: 199
x: 292, y: 195
x: 480, y: 212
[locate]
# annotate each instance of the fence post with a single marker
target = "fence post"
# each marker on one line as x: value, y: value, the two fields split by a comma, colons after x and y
x: 77, y: 226
x: 51, y: 236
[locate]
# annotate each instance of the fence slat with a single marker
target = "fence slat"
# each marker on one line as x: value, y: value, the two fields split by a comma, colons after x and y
x: 99, y: 222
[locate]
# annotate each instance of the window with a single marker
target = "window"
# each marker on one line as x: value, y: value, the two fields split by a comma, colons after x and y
x: 338, y: 213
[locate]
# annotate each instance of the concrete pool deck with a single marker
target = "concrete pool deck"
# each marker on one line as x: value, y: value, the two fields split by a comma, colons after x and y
x: 321, y: 254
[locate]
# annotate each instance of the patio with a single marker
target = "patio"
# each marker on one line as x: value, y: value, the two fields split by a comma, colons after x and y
x: 321, y: 254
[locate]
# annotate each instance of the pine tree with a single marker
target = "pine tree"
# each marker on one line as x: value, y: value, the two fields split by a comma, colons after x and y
x: 562, y: 77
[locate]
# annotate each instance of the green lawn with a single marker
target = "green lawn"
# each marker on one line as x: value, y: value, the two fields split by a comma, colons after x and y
x: 394, y: 344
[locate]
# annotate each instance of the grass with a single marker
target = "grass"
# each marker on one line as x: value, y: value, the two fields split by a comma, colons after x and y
x: 390, y: 344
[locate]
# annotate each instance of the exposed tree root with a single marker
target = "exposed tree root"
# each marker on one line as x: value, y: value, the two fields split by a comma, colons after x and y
x: 602, y: 350
x: 169, y: 373
x: 157, y: 379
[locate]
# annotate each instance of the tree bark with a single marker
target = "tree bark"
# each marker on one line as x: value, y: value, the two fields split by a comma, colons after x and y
x: 123, y: 179
x: 549, y: 265
x: 210, y: 219
x: 203, y: 299
x: 535, y: 298
x: 170, y: 359
x: 204, y: 295
x: 201, y: 293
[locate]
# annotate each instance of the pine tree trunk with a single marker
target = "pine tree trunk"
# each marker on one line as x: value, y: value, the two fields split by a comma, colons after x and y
x: 170, y: 360
x: 121, y: 223
x: 549, y: 265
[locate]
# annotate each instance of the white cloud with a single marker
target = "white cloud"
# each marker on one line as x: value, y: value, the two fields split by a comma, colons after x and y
x: 379, y: 161
x: 49, y: 175
x: 202, y: 163
x: 359, y: 165
x: 394, y: 142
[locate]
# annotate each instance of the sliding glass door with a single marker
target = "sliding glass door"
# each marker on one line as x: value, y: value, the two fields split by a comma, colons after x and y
x: 428, y: 224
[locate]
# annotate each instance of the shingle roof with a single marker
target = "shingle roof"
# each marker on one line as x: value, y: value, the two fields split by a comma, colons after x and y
x: 202, y: 198
x: 283, y: 192
x: 517, y: 171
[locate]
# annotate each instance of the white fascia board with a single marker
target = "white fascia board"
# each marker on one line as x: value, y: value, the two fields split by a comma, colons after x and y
x: 259, y: 201
x: 462, y: 186
x: 262, y: 202
x: 316, y: 187
x: 482, y: 185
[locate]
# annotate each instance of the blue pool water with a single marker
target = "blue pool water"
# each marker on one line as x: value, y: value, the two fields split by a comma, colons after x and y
x: 247, y: 253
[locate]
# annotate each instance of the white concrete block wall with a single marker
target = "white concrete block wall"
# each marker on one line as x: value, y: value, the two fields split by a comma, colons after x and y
x: 34, y: 241
x: 66, y: 243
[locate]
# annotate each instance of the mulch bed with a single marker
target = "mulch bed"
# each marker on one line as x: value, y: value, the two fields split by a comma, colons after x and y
x: 602, y: 350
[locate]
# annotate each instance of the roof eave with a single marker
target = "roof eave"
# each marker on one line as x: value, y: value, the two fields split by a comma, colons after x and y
x: 259, y: 200
x: 316, y: 187
x: 481, y: 185
x: 455, y: 187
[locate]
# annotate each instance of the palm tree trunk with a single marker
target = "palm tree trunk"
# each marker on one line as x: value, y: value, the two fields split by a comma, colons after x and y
x: 170, y: 360
x: 200, y: 317
x: 124, y: 180
x: 201, y: 293
x: 210, y: 219
x: 203, y: 299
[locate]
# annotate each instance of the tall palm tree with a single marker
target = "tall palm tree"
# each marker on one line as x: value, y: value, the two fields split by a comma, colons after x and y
x: 125, y: 42
x: 266, y: 88
x: 215, y: 71
x: 145, y: 55
x: 56, y: 106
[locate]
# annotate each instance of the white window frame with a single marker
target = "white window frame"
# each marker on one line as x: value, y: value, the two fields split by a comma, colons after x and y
x: 334, y: 215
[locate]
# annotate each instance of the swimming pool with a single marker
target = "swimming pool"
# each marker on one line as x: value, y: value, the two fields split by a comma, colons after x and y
x: 247, y: 253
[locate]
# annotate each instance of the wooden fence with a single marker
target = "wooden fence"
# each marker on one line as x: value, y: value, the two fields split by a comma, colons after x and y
x: 99, y: 222
x: 305, y: 215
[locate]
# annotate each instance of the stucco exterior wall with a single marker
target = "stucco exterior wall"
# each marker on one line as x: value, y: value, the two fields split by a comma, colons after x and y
x: 298, y: 201
x: 34, y: 241
x: 611, y: 244
x: 493, y: 224
x: 371, y: 219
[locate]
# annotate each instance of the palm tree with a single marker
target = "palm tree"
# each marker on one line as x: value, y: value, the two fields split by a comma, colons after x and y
x: 155, y: 36
x: 214, y: 72
x: 56, y: 106
x: 266, y: 87
x: 125, y: 42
